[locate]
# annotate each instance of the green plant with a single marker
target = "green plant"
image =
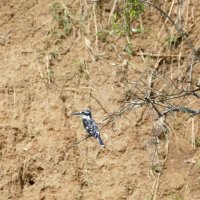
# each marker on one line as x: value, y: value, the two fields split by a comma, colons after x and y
x: 133, y: 8
x: 83, y: 70
x: 118, y: 26
x: 175, y: 196
x: 102, y: 35
x: 35, y: 134
x: 124, y: 15
x: 174, y: 40
x: 61, y: 15
x: 129, y: 49
x: 50, y: 75
x: 156, y: 168
x: 197, y: 142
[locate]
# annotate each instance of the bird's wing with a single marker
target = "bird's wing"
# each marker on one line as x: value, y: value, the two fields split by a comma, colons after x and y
x: 91, y: 127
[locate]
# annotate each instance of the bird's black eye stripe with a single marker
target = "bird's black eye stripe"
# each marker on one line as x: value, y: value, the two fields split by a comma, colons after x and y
x: 86, y: 112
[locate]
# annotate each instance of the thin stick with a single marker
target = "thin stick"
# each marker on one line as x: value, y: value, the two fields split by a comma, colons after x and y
x: 180, y: 30
x: 79, y: 141
x: 14, y: 96
x: 112, y: 11
x: 191, y: 70
x: 91, y: 52
x: 95, y: 22
x: 193, y: 134
x: 37, y: 63
x: 161, y: 55
x: 99, y: 103
x: 48, y: 69
x: 157, y: 181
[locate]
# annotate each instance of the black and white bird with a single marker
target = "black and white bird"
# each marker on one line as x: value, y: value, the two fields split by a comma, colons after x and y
x: 90, y: 125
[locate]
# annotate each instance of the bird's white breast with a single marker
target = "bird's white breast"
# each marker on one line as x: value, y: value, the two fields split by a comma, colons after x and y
x: 86, y: 117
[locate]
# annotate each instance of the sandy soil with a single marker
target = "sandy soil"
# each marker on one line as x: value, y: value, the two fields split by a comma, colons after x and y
x: 45, y: 76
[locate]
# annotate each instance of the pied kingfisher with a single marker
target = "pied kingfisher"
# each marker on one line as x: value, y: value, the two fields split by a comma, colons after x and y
x: 90, y: 125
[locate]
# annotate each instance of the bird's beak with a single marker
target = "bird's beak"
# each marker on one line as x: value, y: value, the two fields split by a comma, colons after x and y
x: 76, y: 113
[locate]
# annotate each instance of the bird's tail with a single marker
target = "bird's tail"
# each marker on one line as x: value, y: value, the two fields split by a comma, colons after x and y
x: 100, y: 141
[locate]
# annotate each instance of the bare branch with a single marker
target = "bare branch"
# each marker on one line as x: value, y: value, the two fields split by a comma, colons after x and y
x: 76, y: 143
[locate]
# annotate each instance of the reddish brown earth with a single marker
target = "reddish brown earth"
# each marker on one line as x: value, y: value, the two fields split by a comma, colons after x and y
x: 45, y: 77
